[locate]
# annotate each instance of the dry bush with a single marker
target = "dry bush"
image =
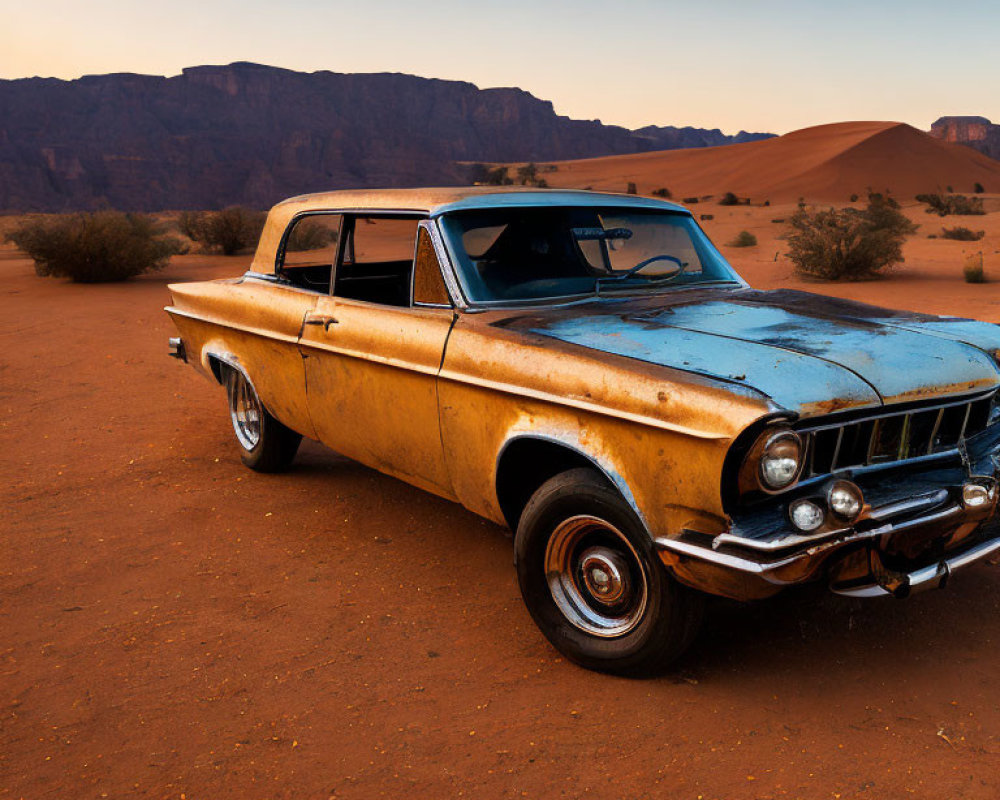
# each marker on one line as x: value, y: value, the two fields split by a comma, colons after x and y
x: 962, y: 234
x: 227, y: 231
x: 744, y: 239
x: 978, y: 188
x: 309, y: 235
x: 528, y: 174
x: 663, y: 192
x: 729, y: 199
x: 95, y: 248
x: 847, y: 243
x: 631, y: 188
x: 187, y: 223
x: 948, y: 204
x: 973, y: 269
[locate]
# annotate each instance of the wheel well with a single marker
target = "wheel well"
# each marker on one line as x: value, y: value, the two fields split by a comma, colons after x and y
x: 524, y: 465
x: 218, y: 367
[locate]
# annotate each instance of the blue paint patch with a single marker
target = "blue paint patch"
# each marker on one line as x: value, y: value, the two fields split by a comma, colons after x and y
x: 806, y: 352
x: 791, y: 380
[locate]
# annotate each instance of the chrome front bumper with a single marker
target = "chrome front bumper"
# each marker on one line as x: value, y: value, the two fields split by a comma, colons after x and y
x: 853, y: 560
x: 934, y: 576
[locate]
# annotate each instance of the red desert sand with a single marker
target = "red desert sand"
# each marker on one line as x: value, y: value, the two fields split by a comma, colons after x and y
x: 177, y: 626
x: 827, y: 162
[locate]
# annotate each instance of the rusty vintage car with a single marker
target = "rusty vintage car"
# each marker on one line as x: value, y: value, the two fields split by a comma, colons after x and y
x: 588, y: 370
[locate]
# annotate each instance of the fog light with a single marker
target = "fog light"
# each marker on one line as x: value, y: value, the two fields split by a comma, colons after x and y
x: 975, y: 495
x: 806, y: 515
x: 845, y: 499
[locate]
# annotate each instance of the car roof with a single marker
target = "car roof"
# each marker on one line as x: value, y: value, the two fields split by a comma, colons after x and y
x: 440, y: 200
x: 433, y: 202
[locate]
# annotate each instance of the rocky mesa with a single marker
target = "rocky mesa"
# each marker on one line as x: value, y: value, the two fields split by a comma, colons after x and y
x: 253, y: 134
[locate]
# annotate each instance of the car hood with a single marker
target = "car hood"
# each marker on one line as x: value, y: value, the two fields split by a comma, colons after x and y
x: 808, y: 353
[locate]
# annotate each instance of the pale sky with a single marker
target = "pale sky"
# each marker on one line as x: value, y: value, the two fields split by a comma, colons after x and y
x: 760, y: 65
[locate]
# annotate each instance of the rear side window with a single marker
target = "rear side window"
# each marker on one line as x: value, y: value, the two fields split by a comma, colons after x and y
x: 310, y: 251
x: 376, y: 259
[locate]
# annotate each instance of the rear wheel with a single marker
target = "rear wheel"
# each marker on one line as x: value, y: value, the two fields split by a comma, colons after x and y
x: 592, y: 580
x: 265, y: 444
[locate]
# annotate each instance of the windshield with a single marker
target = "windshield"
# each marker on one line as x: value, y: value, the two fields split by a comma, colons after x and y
x: 524, y: 254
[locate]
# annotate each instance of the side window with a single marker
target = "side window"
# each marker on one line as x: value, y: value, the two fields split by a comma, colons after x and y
x: 377, y: 259
x: 310, y: 250
x: 428, y: 284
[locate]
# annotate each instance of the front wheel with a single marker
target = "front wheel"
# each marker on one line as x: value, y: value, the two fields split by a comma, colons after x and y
x: 265, y: 444
x: 593, y: 583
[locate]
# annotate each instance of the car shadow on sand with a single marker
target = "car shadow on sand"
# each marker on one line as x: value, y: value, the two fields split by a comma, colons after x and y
x: 809, y: 628
x: 794, y: 634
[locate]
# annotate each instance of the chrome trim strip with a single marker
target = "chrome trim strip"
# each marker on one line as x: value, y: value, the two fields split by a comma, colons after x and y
x: 558, y: 400
x: 911, y: 504
x: 762, y: 568
x: 561, y: 400
x: 723, y: 559
x: 923, y: 502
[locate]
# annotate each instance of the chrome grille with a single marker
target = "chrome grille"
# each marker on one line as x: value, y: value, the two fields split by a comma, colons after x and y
x: 890, y: 437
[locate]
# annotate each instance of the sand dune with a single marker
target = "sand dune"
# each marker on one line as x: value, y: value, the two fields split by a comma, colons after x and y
x: 826, y: 162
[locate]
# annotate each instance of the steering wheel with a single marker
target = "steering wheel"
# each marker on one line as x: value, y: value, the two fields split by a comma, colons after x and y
x: 652, y: 260
x: 643, y: 264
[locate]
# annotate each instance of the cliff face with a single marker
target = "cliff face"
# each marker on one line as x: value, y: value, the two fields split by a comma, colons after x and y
x: 975, y: 132
x: 671, y: 138
x: 251, y: 134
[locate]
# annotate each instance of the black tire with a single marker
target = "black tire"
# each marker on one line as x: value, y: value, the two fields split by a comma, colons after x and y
x: 265, y: 444
x: 578, y: 519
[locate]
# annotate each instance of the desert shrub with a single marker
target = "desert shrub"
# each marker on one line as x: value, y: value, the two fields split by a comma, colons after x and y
x: 541, y: 183
x: 950, y: 189
x: 308, y: 235
x: 227, y: 231
x: 631, y: 188
x: 497, y: 176
x: 956, y: 204
x: 663, y: 192
x: 187, y: 223
x: 767, y: 202
x: 528, y: 174
x: 848, y: 243
x: 978, y: 188
x: 706, y: 216
x: 477, y: 173
x: 95, y: 248
x: 744, y: 239
x: 973, y: 269
x: 881, y: 199
x: 962, y: 234
x: 690, y: 200
x: 729, y: 199
x: 779, y: 221
x: 854, y: 198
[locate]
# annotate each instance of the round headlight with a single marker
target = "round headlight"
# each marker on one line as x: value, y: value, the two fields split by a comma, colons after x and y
x: 780, y: 460
x: 806, y: 515
x: 845, y: 499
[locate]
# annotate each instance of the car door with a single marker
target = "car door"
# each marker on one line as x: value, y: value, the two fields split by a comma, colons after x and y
x: 372, y: 355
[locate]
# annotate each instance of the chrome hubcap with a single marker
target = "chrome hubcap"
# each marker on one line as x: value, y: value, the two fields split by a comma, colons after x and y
x: 595, y: 577
x: 244, y: 410
x: 604, y: 574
